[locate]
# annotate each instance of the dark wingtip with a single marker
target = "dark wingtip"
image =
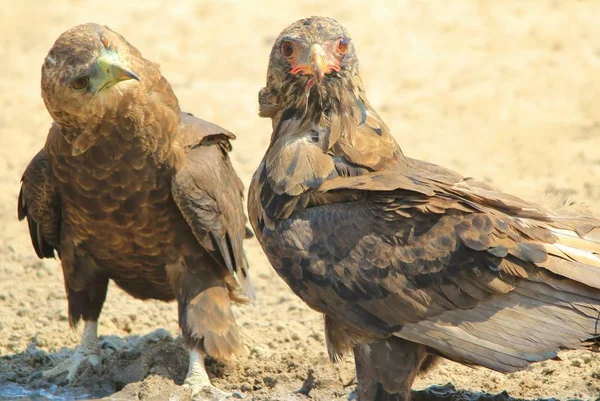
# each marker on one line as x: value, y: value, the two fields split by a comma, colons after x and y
x: 249, y: 233
x: 21, y: 211
x: 33, y: 235
x: 42, y: 248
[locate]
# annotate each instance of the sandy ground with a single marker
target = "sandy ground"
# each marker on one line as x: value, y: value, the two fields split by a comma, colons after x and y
x: 507, y: 91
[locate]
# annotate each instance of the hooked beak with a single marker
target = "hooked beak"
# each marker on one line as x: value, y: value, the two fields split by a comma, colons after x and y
x: 108, y: 71
x: 318, y: 63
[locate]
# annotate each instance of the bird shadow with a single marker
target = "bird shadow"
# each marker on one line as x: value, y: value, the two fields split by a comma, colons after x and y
x: 448, y: 392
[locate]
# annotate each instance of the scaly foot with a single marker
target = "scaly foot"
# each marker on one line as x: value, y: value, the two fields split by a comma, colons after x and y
x: 73, y: 366
x: 86, y: 355
x: 197, y: 385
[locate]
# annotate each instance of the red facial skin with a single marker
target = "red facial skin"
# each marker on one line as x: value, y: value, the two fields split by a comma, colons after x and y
x: 321, y: 60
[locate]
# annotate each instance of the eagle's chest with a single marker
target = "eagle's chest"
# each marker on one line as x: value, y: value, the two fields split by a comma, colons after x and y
x: 118, y: 202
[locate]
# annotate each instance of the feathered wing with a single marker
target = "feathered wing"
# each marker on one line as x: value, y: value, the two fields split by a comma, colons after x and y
x: 40, y: 204
x: 210, y: 196
x: 547, y: 281
x: 424, y: 254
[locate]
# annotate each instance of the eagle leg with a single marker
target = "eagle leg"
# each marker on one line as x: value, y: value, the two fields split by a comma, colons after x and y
x: 197, y: 383
x: 386, y: 368
x: 197, y: 379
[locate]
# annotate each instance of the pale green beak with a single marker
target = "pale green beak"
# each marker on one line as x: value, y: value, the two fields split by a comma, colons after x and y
x: 108, y: 71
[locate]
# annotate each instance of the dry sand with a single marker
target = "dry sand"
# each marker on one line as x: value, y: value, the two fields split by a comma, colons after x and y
x: 507, y: 91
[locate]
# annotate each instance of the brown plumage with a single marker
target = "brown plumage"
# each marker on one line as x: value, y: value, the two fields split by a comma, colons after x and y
x: 130, y: 189
x: 407, y: 260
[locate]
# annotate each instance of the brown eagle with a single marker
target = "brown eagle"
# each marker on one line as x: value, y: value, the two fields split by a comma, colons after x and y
x: 130, y: 189
x: 407, y: 260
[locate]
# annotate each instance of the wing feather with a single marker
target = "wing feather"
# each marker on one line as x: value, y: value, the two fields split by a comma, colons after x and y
x: 39, y: 203
x: 210, y: 196
x: 455, y: 266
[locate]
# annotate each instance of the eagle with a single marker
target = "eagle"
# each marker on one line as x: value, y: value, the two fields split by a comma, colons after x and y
x: 128, y: 188
x: 408, y: 261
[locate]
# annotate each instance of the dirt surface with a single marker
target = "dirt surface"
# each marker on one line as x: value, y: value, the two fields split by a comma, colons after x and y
x: 507, y: 91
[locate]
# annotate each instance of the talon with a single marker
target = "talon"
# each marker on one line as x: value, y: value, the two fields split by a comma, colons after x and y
x: 35, y: 376
x: 108, y: 345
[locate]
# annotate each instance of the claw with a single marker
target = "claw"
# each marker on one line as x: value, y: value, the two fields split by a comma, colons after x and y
x: 35, y: 376
x: 108, y: 345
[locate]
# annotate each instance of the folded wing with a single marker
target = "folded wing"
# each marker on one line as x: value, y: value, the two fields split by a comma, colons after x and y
x: 210, y: 195
x: 422, y: 253
x: 40, y: 204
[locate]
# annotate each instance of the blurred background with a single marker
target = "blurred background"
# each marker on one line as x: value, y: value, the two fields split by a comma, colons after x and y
x: 507, y: 91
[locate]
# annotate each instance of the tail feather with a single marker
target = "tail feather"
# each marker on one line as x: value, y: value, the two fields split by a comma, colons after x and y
x: 575, y: 240
x: 508, y: 332
x: 574, y: 257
